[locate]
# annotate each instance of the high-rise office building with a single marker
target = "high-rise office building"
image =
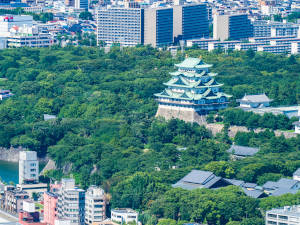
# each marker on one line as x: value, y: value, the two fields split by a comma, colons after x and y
x: 70, y: 3
x: 28, y: 167
x: 232, y: 27
x: 95, y: 205
x: 81, y: 4
x: 158, y: 26
x: 190, y: 21
x: 120, y: 25
x: 71, y: 202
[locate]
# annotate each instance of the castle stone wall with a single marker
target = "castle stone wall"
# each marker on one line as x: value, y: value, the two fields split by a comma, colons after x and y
x: 187, y: 114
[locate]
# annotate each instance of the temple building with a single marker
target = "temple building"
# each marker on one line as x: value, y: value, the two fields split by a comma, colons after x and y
x: 191, y: 93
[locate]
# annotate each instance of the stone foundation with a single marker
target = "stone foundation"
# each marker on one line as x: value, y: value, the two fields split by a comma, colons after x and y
x: 185, y: 114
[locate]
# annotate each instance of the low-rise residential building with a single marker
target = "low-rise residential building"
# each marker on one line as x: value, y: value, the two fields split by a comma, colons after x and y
x: 13, y: 200
x: 266, y: 40
x: 38, y: 188
x: 29, y: 40
x: 288, y: 215
x: 28, y: 215
x: 246, y: 46
x: 276, y: 49
x: 201, y: 43
x: 224, y: 45
x: 124, y: 215
x: 95, y: 205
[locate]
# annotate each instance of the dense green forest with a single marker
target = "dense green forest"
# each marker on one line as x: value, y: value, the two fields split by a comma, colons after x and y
x: 106, y: 134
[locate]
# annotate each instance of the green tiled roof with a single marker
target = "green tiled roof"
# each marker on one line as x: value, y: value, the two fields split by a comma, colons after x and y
x: 182, y: 82
x: 187, y: 81
x: 193, y: 63
x: 187, y: 95
x: 192, y: 74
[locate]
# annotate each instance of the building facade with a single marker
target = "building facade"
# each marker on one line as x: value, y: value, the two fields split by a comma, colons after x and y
x: 29, y: 40
x: 28, y: 215
x: 263, y: 28
x: 284, y: 216
x: 71, y: 203
x: 70, y: 3
x: 233, y: 27
x: 120, y: 25
x: 190, y: 21
x: 124, y: 215
x: 158, y: 26
x: 50, y: 207
x: 13, y: 200
x: 81, y: 4
x: 9, y: 21
x: 28, y: 167
x: 95, y: 205
x: 191, y: 92
x: 254, y: 101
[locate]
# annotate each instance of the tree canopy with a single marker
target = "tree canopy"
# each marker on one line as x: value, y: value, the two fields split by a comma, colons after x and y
x: 106, y: 134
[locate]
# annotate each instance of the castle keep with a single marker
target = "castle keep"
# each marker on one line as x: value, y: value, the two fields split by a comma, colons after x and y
x: 191, y: 93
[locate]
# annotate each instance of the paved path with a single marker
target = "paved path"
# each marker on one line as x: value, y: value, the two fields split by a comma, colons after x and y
x: 6, y: 217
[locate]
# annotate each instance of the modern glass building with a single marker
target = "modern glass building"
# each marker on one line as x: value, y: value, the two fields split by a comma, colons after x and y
x: 158, y: 26
x: 82, y: 4
x: 190, y: 22
x: 120, y: 25
x: 232, y: 27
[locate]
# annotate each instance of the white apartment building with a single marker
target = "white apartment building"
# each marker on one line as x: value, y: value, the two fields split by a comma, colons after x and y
x: 82, y: 4
x: 95, y: 205
x: 276, y: 49
x: 27, y: 40
x: 124, y: 215
x: 28, y: 167
x: 71, y: 201
x: 227, y: 45
x: 201, y: 43
x: 288, y: 215
x: 9, y: 21
x: 295, y: 47
x: 28, y: 36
